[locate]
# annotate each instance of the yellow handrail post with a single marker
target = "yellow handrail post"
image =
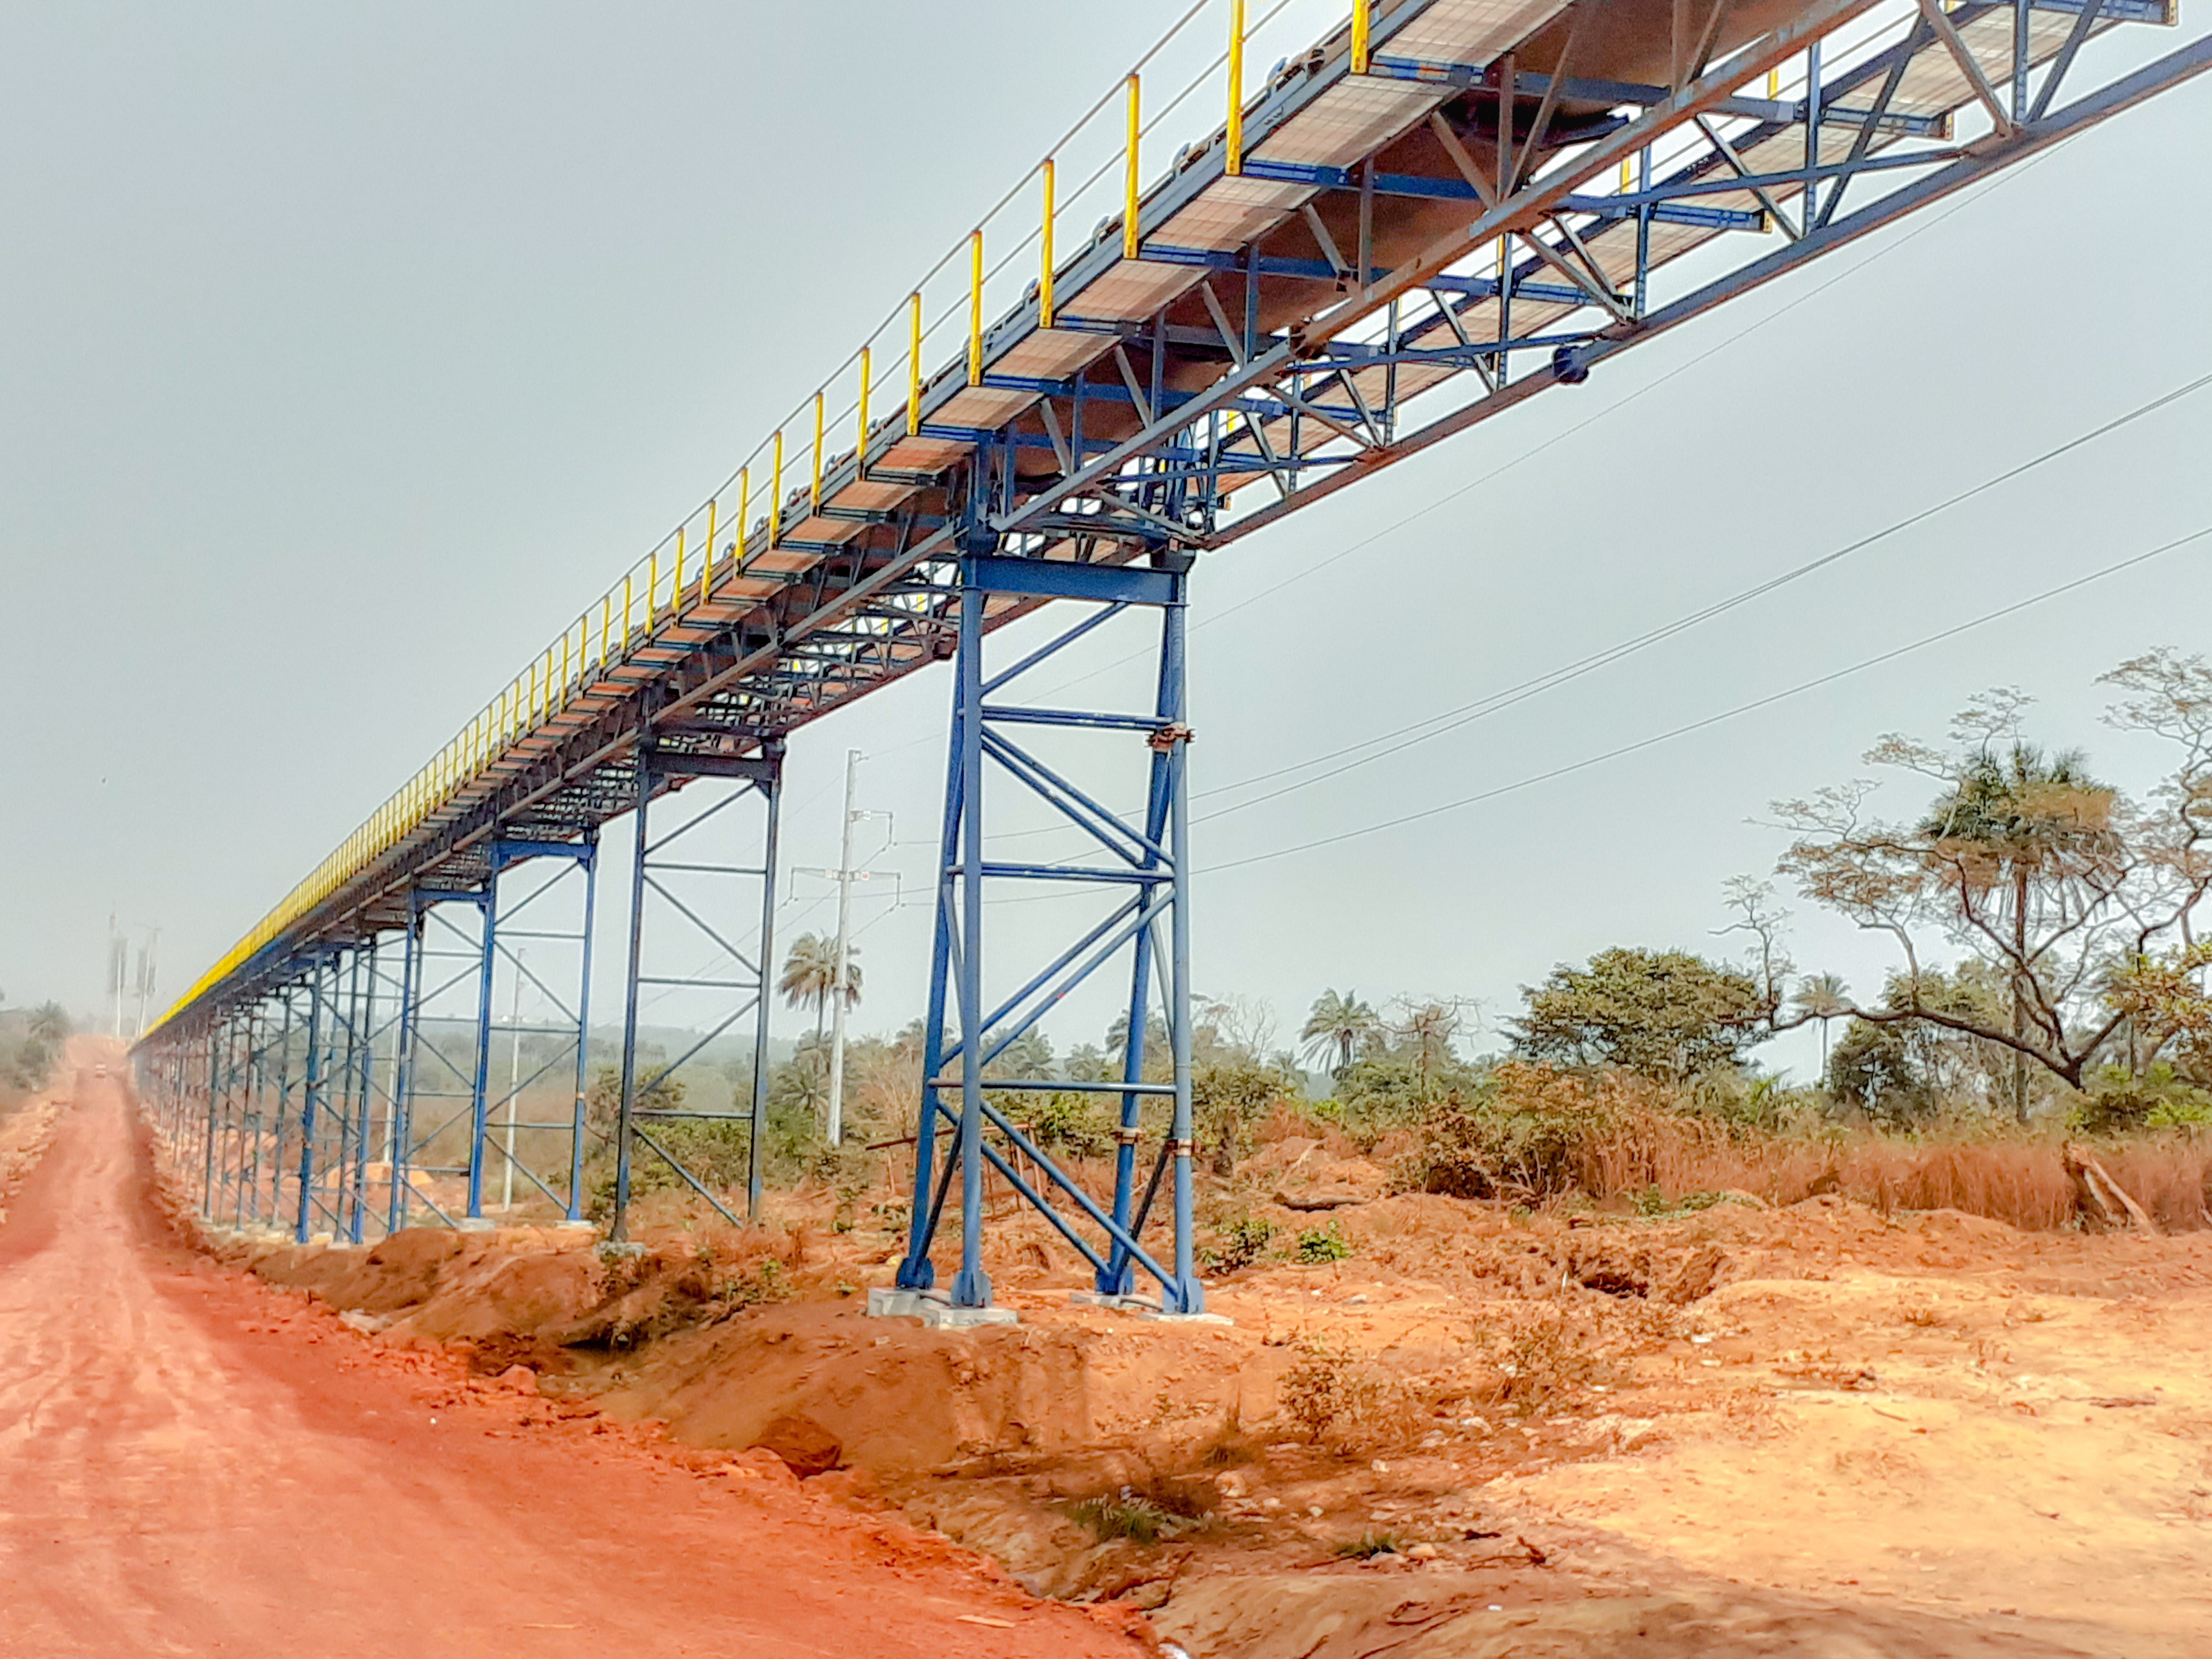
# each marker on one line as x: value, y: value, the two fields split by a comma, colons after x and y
x: 775, y: 496
x: 1362, y: 18
x: 676, y: 586
x: 745, y: 511
x: 975, y: 307
x: 1234, y: 162
x: 814, y: 497
x: 606, y: 622
x: 1044, y: 276
x: 913, y: 365
x: 1131, y: 178
x: 651, y: 588
x: 707, y: 565
x: 860, y: 445
x: 629, y: 599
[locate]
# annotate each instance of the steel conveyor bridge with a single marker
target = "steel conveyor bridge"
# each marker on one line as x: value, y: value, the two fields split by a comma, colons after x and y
x: 1436, y: 211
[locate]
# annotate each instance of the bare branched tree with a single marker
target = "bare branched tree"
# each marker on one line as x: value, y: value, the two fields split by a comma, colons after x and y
x: 2069, y: 888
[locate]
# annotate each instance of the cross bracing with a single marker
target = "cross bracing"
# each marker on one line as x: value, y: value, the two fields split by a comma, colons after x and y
x: 1439, y: 211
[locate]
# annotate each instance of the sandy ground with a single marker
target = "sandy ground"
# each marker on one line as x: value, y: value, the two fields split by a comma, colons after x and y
x: 193, y: 1463
x: 1814, y: 1430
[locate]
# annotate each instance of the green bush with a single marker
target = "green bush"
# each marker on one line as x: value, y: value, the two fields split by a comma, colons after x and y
x: 1244, y: 1240
x: 1317, y: 1246
x: 2118, y: 1103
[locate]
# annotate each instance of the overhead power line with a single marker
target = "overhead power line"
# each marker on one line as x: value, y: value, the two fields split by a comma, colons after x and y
x: 1452, y: 719
x: 1741, y: 708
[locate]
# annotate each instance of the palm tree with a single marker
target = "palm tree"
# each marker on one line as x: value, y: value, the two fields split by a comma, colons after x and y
x: 1823, y: 997
x: 810, y: 976
x: 2007, y: 819
x: 1339, y: 1022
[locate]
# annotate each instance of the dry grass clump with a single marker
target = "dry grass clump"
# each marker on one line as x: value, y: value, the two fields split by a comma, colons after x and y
x: 1540, y: 1356
x: 1537, y: 1134
x: 1336, y: 1399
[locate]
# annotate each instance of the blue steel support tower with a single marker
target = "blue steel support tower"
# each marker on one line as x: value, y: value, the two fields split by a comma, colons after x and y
x: 1147, y: 929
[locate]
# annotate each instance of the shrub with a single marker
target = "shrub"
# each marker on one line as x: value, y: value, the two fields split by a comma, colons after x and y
x: 1146, y: 1512
x: 1228, y: 1094
x: 2118, y: 1103
x: 1077, y: 1124
x: 1317, y: 1246
x: 1335, y: 1399
x: 1369, y: 1545
x: 1245, y: 1239
x: 763, y: 1282
x: 1540, y: 1357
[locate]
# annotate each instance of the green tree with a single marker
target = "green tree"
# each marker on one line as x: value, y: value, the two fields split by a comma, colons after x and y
x: 2060, y: 884
x: 1823, y: 997
x: 1662, y: 1014
x: 810, y: 976
x: 1902, y: 1071
x: 1337, y: 1023
x: 1087, y: 1063
x: 1227, y: 1097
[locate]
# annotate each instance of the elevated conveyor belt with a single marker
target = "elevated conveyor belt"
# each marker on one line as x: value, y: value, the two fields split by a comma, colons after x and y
x: 1438, y: 209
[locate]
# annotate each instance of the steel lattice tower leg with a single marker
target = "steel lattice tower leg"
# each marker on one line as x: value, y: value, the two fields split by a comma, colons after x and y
x: 1148, y: 861
x: 660, y: 768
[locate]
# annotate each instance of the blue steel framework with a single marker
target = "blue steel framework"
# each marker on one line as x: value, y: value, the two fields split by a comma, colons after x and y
x: 1385, y: 226
x: 1147, y: 861
x: 672, y: 885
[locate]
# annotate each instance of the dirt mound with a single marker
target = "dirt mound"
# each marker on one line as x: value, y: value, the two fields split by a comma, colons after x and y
x: 1431, y: 1615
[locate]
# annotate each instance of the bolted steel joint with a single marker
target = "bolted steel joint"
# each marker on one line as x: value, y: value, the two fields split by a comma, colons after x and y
x: 1164, y: 740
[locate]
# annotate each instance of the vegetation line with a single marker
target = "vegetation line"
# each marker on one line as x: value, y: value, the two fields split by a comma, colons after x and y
x: 1756, y: 703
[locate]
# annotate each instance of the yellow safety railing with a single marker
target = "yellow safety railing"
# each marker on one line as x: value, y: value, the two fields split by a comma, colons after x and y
x: 539, y: 704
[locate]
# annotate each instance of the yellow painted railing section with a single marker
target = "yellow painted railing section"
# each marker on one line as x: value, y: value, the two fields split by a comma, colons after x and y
x: 487, y: 748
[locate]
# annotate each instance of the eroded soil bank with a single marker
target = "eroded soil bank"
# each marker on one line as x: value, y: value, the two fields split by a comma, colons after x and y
x: 1812, y: 1429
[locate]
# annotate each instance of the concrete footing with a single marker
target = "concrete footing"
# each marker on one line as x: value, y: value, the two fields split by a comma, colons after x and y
x: 934, y: 1309
x: 1144, y: 1307
x: 943, y: 1317
x: 1113, y: 1304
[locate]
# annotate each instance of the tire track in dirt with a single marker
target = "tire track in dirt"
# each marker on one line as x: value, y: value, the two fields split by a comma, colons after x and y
x: 191, y: 1464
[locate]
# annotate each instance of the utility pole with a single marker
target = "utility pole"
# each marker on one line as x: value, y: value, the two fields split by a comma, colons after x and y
x: 513, y: 1085
x: 838, y: 984
x: 840, y: 977
x: 146, y: 956
x: 118, y: 960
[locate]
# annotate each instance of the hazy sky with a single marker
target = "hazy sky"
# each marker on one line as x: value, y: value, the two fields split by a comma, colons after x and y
x: 351, y: 349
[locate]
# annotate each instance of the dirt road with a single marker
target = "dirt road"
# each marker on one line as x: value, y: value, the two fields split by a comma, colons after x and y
x: 180, y: 1476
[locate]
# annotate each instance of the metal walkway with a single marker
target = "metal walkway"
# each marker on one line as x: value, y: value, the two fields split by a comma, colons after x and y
x: 1438, y: 210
